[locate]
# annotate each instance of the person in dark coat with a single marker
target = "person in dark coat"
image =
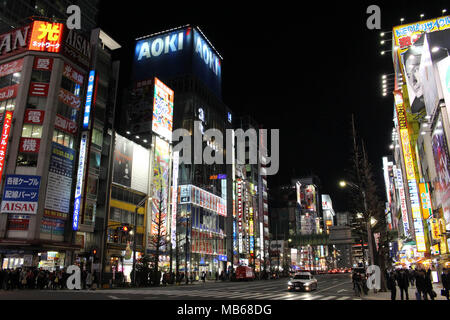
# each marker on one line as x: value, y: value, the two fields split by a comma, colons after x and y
x: 445, y: 278
x: 420, y: 284
x: 392, y: 285
x: 403, y: 283
x: 412, y: 276
x: 428, y: 285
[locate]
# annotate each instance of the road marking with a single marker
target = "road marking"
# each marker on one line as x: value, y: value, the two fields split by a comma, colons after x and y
x: 278, y: 296
x: 343, y: 298
x: 328, y: 298
x: 342, y: 290
x: 332, y: 287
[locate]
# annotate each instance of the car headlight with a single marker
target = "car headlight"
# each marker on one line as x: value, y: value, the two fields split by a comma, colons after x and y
x: 289, y: 283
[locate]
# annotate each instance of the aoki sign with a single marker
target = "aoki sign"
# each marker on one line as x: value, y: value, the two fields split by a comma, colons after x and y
x: 156, y: 46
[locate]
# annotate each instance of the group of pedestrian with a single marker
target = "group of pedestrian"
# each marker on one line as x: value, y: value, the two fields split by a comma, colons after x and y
x: 420, y: 278
x: 38, y: 278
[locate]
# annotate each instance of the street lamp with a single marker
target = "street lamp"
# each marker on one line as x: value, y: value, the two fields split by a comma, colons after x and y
x: 368, y: 222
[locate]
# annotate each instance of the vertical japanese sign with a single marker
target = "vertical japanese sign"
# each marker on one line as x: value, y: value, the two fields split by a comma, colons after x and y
x: 4, y: 139
x: 160, y: 187
x: 240, y: 212
x: 79, y: 186
x: 89, y: 95
x: 401, y: 190
x: 21, y: 194
x: 410, y: 173
x: 427, y: 210
x: 173, y: 228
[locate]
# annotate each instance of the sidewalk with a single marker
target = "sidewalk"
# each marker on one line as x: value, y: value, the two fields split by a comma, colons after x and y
x: 411, y: 293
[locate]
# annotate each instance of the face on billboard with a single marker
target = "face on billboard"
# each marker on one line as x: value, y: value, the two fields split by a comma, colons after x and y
x: 123, y: 161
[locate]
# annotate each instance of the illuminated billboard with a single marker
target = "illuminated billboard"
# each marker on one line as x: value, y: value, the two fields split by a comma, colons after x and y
x: 79, y: 186
x: 46, y: 36
x: 162, y: 121
x: 405, y: 35
x: 89, y: 97
x: 175, y: 52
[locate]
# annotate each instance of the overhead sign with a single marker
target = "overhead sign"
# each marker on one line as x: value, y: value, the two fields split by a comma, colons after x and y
x: 21, y: 194
x: 11, y: 67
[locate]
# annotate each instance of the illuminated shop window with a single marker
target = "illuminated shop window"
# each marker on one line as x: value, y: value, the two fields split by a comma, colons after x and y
x: 7, y: 105
x: 27, y: 160
x: 97, y: 137
x: 63, y: 138
x: 31, y: 131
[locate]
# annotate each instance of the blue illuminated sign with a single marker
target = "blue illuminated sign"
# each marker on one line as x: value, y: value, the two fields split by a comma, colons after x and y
x: 79, y: 185
x: 229, y: 117
x: 222, y: 258
x: 89, y: 94
x: 178, y: 52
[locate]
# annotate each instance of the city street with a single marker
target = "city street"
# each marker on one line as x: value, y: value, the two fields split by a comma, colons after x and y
x: 330, y: 287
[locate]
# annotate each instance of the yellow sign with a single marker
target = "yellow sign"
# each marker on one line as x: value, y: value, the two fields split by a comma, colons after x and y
x: 435, y: 232
x: 405, y: 35
x: 427, y: 209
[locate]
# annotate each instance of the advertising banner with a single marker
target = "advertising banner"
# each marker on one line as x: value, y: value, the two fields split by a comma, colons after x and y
x: 18, y: 222
x: 65, y: 125
x: 19, y: 37
x: 444, y: 77
x: 173, y: 227
x: 4, y: 139
x: 160, y: 187
x: 89, y: 98
x: 76, y: 47
x: 29, y: 145
x: 123, y: 161
x: 428, y: 79
x: 38, y: 89
x: 427, y: 209
x: 441, y: 161
x: 59, y: 185
x: 11, y: 67
x: 34, y: 116
x: 73, y: 74
x: 80, y: 179
x: 52, y: 226
x: 69, y: 99
x: 162, y: 122
x: 43, y: 63
x: 21, y: 194
x: 8, y: 92
x: 46, y: 36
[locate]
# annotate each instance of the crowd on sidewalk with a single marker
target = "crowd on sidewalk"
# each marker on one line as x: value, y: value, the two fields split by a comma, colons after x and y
x: 38, y: 278
x: 421, y: 279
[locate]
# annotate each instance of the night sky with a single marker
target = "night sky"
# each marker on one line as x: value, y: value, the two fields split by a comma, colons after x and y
x: 303, y: 70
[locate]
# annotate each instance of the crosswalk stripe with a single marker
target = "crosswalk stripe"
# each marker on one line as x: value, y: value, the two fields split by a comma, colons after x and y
x: 328, y: 298
x: 343, y: 298
x: 298, y: 298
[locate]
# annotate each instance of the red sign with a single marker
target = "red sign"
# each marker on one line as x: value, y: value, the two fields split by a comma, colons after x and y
x: 46, y: 36
x: 4, y: 139
x: 18, y: 224
x: 8, y: 92
x: 29, y: 145
x: 14, y: 42
x: 71, y: 100
x: 38, y: 89
x: 11, y: 67
x: 34, y: 116
x: 41, y: 63
x: 65, y: 124
x: 73, y: 74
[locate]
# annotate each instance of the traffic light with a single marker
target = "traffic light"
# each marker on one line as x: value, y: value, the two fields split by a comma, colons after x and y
x: 125, y: 228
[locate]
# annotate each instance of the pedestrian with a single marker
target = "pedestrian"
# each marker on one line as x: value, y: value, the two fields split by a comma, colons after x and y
x: 403, y: 283
x: 192, y: 278
x: 445, y: 278
x: 88, y: 280
x: 203, y: 276
x: 412, y: 276
x: 391, y: 285
x: 429, y: 286
x: 217, y: 276
x: 420, y: 284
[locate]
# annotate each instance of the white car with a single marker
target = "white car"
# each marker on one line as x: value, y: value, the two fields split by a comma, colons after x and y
x: 302, y: 281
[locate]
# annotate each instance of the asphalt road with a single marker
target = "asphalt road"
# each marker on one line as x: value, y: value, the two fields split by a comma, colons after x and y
x: 330, y: 287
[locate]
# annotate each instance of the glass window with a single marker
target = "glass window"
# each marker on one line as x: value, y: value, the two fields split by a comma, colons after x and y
x: 27, y: 159
x: 94, y: 161
x: 97, y: 137
x: 36, y: 102
x: 40, y: 76
x: 27, y: 130
x: 37, y: 131
x: 66, y: 140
